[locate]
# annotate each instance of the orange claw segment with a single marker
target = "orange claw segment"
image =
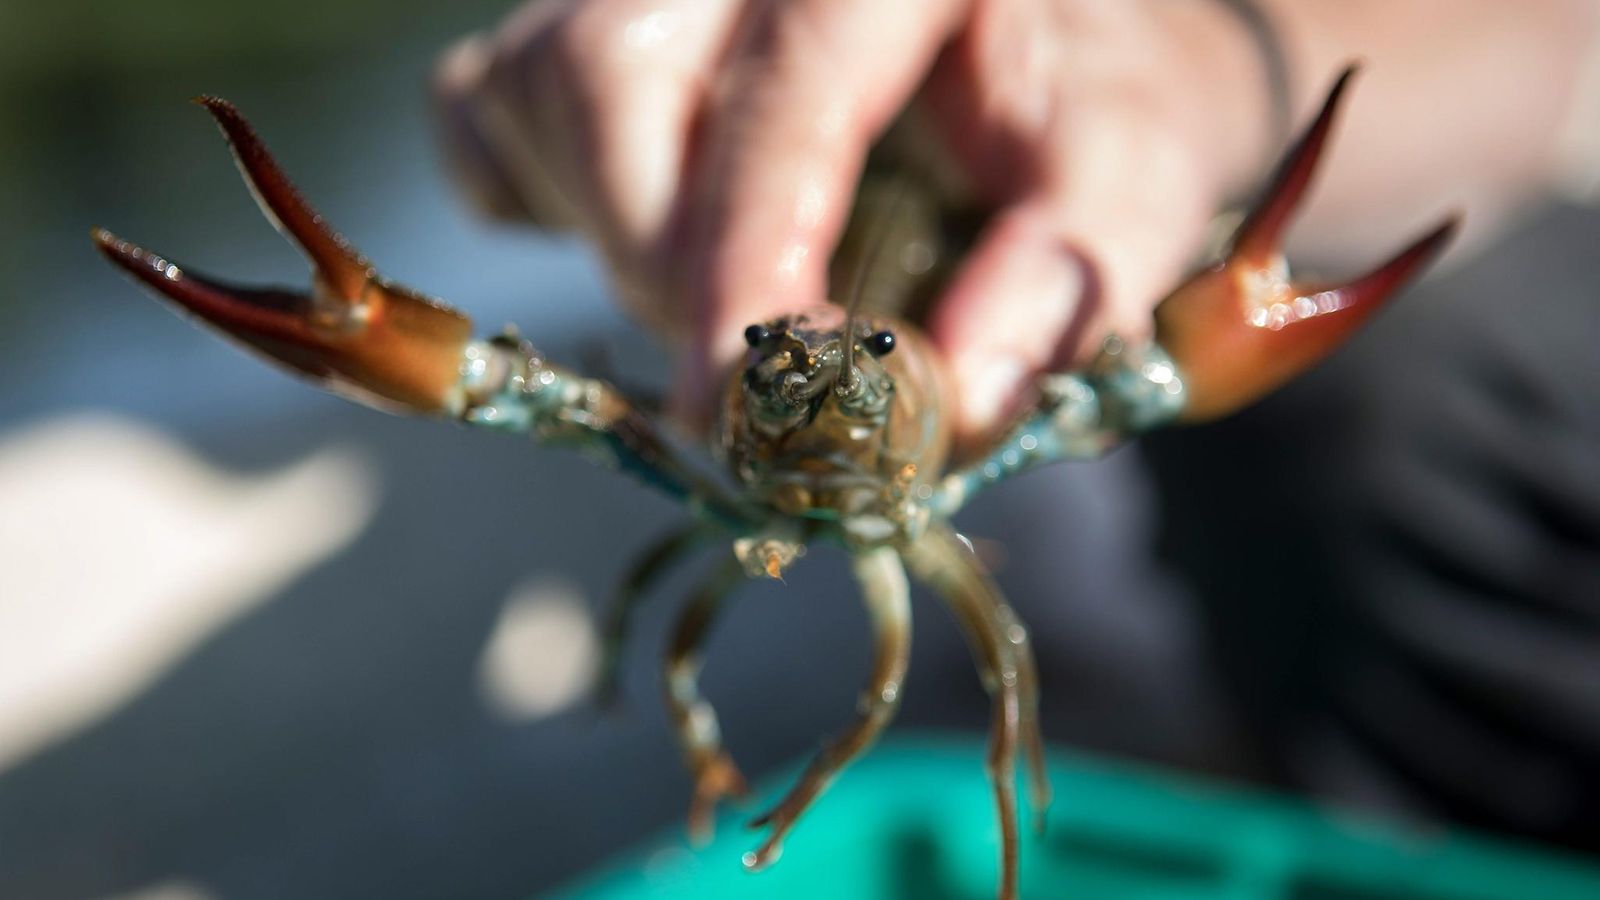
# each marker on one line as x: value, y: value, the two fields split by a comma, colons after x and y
x: 1232, y: 353
x: 354, y: 333
x: 393, y: 348
x: 1242, y: 329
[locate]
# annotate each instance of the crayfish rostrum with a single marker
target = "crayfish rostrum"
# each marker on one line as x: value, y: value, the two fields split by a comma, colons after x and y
x: 832, y: 429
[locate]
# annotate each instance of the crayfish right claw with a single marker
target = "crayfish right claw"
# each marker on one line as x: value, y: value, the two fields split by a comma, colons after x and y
x: 1240, y: 330
x: 354, y: 333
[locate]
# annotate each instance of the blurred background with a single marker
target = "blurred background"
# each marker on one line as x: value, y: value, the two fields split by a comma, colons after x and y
x: 257, y: 642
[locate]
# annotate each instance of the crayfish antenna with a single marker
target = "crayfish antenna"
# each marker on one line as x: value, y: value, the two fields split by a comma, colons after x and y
x: 1241, y: 329
x: 354, y: 333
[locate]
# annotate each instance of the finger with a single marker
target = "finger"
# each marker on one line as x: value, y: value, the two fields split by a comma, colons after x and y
x: 580, y: 113
x: 640, y: 70
x: 1121, y: 201
x: 1005, y: 312
x: 808, y: 86
x: 493, y: 120
x: 478, y: 171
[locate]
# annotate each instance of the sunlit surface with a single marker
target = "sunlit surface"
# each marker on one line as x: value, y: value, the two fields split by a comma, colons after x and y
x: 122, y: 550
x: 542, y: 654
x: 167, y: 890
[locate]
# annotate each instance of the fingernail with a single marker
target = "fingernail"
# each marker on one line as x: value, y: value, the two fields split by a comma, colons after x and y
x: 1042, y: 288
x: 1053, y: 295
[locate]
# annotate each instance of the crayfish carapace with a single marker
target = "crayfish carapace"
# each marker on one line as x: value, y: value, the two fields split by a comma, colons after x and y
x: 832, y: 429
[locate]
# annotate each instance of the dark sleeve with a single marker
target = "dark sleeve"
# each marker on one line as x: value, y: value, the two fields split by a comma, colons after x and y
x: 1398, y: 559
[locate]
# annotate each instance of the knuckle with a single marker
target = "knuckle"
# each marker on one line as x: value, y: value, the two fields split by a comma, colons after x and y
x: 789, y: 38
x: 825, y: 37
x: 460, y: 71
x: 598, y: 47
x: 819, y: 26
x: 786, y: 72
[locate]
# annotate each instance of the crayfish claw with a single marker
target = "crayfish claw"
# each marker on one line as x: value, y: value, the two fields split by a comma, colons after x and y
x: 1240, y: 330
x: 1365, y: 293
x: 256, y: 315
x: 336, y: 263
x: 1261, y: 233
x: 354, y: 333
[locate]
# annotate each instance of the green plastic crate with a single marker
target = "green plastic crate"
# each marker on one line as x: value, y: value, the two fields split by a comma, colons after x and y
x: 915, y: 819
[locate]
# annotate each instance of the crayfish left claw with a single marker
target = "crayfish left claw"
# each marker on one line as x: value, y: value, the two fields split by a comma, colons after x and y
x: 354, y: 333
x: 1241, y: 329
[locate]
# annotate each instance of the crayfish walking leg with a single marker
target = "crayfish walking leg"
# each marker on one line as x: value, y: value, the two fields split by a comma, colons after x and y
x: 643, y: 575
x: 715, y: 775
x: 1005, y: 663
x: 888, y: 601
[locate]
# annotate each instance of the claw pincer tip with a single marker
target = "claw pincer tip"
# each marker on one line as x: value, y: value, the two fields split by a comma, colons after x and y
x: 1245, y: 328
x: 353, y: 333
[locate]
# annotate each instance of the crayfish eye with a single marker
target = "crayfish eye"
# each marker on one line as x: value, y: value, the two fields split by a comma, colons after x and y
x: 756, y: 335
x: 881, y: 344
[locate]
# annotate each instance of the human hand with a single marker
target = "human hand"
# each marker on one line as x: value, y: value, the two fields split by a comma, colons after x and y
x: 711, y: 149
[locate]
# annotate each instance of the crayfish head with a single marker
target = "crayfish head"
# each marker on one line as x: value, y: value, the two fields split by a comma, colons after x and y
x: 814, y: 431
x: 801, y: 363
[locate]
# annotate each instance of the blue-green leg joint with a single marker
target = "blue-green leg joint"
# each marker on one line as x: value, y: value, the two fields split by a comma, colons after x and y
x: 507, y: 386
x: 1125, y: 391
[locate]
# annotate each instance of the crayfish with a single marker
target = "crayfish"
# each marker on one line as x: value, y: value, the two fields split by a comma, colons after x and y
x: 832, y: 429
